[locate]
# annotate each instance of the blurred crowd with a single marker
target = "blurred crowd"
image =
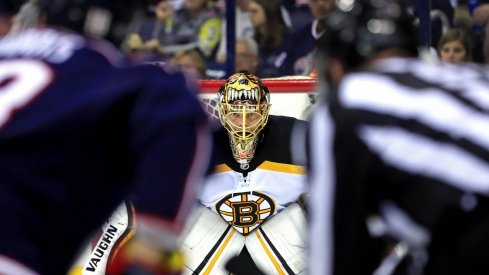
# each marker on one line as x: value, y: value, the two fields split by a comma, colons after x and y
x: 273, y: 37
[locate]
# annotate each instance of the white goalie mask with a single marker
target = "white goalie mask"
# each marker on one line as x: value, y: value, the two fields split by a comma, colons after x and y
x: 244, y: 106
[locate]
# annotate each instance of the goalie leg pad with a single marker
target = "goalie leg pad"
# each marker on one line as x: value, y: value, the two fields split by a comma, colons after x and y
x: 209, y: 242
x: 117, y: 230
x: 278, y: 246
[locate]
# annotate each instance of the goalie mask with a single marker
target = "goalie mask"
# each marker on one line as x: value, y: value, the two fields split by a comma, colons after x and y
x: 244, y: 106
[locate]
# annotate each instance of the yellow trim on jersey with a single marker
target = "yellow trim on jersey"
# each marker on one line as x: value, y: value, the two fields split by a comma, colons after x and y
x: 269, y: 254
x: 264, y: 211
x: 221, y: 168
x: 282, y: 167
x: 268, y: 165
x: 218, y: 253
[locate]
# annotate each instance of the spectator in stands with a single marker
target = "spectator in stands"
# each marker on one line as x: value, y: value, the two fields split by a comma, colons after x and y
x: 197, y: 25
x: 158, y: 30
x: 271, y: 34
x: 244, y: 28
x: 455, y: 46
x: 191, y: 62
x: 300, y: 13
x: 463, y: 18
x: 481, y: 18
x: 246, y: 59
x: 446, y: 7
x: 7, y: 10
x: 298, y: 60
x: 247, y: 56
x: 28, y: 16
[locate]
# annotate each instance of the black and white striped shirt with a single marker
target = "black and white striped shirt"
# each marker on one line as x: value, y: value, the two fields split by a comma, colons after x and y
x: 406, y: 145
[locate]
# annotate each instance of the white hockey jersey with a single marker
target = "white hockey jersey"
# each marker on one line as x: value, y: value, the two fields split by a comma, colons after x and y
x: 246, y: 202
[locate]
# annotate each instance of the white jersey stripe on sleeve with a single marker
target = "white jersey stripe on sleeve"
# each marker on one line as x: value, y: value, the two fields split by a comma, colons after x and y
x: 445, y: 113
x: 423, y: 156
x: 321, y: 194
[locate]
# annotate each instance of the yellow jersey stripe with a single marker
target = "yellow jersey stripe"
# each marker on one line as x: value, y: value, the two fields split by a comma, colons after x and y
x: 268, y: 165
x: 221, y: 168
x: 282, y: 167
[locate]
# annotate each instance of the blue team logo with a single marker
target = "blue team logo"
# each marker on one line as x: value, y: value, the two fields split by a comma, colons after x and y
x: 245, y: 211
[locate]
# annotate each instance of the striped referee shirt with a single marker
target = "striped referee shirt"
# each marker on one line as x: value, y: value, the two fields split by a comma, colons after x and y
x: 402, y: 150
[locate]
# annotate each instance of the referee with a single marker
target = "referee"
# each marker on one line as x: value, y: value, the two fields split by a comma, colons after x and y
x: 399, y: 152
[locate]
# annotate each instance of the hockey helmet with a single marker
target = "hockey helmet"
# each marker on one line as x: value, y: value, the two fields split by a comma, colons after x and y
x: 358, y: 28
x: 244, y: 106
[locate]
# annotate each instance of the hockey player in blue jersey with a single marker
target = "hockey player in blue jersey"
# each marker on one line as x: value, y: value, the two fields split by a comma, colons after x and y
x: 79, y: 131
x: 299, y: 56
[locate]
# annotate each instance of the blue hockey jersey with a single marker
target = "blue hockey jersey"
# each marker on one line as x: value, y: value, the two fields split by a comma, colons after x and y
x: 79, y: 130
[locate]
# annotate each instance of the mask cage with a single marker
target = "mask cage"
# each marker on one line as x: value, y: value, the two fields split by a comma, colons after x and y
x: 236, y: 119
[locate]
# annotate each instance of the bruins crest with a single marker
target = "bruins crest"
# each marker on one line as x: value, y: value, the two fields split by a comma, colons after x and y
x: 245, y: 211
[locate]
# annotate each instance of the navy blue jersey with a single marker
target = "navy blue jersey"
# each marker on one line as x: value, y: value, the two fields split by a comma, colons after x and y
x: 271, y: 59
x: 78, y: 133
x: 298, y: 58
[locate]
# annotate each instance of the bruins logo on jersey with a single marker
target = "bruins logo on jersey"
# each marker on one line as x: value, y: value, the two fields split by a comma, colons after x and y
x: 245, y: 211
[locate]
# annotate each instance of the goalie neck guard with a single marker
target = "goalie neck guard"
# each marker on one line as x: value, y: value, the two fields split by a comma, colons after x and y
x: 244, y: 106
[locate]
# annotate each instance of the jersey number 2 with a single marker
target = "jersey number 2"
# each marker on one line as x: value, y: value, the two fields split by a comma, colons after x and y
x: 20, y: 82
